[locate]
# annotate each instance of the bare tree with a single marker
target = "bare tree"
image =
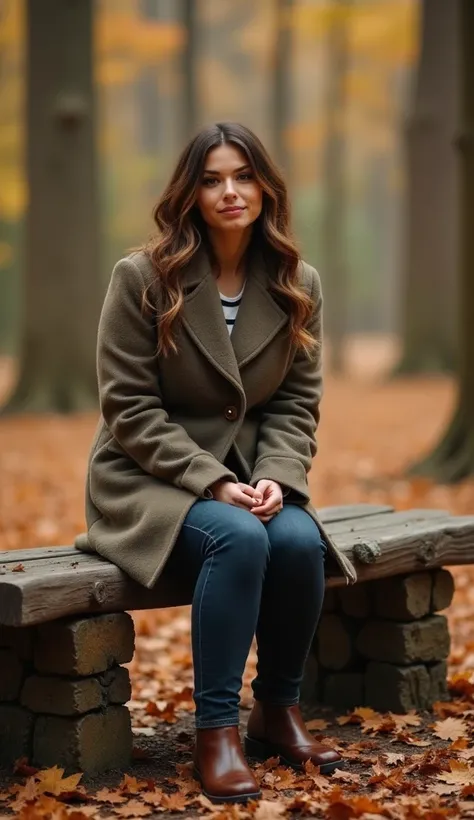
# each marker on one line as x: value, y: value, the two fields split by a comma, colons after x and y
x: 190, y: 78
x: 334, y: 264
x: 453, y: 458
x: 282, y: 64
x: 62, y: 291
x: 429, y: 309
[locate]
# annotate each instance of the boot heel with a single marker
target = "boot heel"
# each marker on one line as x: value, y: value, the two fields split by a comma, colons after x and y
x: 256, y: 748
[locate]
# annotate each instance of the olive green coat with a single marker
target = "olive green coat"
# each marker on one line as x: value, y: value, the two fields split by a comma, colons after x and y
x: 168, y: 423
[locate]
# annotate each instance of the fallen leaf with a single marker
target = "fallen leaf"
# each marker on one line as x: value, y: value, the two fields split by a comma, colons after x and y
x: 317, y: 725
x: 51, y: 781
x: 109, y: 796
x: 450, y: 728
x: 392, y: 758
x: 18, y: 568
x: 460, y: 773
x: 175, y: 802
x: 270, y: 810
x: 133, y: 808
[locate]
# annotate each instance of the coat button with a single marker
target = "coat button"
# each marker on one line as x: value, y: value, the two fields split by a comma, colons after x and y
x: 231, y: 413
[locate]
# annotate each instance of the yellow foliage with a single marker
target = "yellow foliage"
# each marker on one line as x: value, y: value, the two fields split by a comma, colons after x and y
x: 384, y: 30
x: 127, y: 35
x: 12, y: 194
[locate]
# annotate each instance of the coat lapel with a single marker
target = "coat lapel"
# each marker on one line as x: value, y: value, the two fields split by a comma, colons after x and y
x: 204, y: 319
x: 259, y: 318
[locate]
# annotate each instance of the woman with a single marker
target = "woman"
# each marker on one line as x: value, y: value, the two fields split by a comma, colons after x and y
x: 209, y: 366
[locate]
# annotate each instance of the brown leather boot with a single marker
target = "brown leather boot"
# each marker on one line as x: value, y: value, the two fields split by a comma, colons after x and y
x: 221, y: 768
x: 280, y: 731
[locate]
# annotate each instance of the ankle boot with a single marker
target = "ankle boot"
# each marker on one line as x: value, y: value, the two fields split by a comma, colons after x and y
x: 280, y: 731
x: 221, y: 768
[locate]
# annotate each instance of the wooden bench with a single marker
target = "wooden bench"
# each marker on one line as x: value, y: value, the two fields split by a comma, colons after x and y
x: 65, y: 631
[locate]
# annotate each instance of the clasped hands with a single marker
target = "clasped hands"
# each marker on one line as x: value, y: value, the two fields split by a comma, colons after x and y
x: 264, y: 501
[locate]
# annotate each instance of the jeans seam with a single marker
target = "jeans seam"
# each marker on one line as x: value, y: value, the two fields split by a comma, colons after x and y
x: 199, y: 627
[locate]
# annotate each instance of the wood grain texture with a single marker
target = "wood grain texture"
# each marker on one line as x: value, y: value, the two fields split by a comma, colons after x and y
x: 61, y: 581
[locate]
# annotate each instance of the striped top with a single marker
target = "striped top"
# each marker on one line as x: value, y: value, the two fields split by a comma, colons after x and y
x: 230, y: 306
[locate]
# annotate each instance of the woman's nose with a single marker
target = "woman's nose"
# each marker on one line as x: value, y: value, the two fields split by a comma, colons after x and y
x: 229, y: 188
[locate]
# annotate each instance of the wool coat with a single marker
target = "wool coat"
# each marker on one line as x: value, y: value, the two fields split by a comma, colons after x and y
x: 170, y: 426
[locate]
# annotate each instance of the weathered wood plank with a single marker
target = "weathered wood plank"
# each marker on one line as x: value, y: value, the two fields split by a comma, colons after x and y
x: 51, y: 559
x: 404, y: 518
x: 448, y: 542
x: 327, y: 514
x: 77, y: 582
x: 331, y: 514
x: 36, y: 552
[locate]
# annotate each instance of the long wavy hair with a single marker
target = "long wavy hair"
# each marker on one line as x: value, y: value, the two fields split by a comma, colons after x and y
x: 182, y: 230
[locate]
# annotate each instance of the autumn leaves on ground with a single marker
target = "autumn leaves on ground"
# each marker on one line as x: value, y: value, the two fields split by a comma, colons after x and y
x: 408, y: 767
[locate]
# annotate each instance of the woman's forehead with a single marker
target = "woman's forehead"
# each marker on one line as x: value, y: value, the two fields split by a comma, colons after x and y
x: 226, y: 157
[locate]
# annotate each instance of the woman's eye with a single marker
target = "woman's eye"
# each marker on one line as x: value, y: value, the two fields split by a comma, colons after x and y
x: 247, y: 176
x: 209, y: 181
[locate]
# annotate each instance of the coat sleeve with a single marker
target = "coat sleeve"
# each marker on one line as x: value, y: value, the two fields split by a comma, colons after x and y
x: 130, y: 396
x: 286, y: 445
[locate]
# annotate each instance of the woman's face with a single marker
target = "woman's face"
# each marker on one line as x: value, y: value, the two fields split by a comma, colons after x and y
x: 229, y: 197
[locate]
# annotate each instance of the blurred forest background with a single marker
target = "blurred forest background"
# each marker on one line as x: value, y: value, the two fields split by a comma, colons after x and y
x: 367, y: 107
x: 322, y: 83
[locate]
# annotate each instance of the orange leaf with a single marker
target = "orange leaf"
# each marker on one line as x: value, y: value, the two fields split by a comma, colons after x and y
x: 51, y: 781
x: 133, y: 808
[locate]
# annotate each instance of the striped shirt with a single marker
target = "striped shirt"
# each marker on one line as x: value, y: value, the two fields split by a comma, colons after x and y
x: 230, y: 306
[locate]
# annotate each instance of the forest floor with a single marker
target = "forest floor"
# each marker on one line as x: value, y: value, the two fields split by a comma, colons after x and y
x: 401, y: 767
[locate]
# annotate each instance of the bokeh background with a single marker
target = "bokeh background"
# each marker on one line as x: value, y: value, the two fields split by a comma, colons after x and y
x: 363, y: 105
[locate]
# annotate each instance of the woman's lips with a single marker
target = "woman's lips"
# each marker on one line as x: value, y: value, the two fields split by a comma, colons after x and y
x: 234, y: 211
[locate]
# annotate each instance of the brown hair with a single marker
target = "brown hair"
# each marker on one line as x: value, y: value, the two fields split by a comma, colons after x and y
x: 181, y: 230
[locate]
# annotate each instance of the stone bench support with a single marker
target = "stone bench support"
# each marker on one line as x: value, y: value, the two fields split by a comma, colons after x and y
x: 62, y: 691
x: 380, y: 644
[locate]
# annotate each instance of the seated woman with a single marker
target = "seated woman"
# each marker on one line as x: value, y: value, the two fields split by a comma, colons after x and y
x: 209, y: 368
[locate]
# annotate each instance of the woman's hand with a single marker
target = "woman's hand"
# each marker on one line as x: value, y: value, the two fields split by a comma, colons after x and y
x: 239, y: 495
x: 272, y: 499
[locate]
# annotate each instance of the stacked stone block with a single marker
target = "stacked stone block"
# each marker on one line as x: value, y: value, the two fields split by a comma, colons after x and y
x: 62, y: 693
x: 381, y: 644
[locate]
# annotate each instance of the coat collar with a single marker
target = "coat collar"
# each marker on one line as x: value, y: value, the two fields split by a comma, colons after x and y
x: 259, y: 318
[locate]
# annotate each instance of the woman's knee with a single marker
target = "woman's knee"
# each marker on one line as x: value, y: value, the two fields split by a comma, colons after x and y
x: 298, y: 536
x: 231, y: 530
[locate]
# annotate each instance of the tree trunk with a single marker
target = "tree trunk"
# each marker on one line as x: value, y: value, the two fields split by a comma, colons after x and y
x: 429, y: 311
x: 61, y: 289
x: 334, y: 268
x: 282, y: 63
x: 190, y: 77
x: 453, y: 458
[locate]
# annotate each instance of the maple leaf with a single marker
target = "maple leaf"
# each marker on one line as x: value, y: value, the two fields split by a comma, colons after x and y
x: 317, y: 725
x: 175, y: 802
x: 133, y: 808
x: 402, y: 721
x: 154, y: 798
x: 25, y: 794
x: 345, y: 776
x: 392, y: 758
x: 130, y: 785
x: 358, y: 715
x: 379, y: 723
x: 108, y: 796
x: 404, y: 737
x: 461, y: 773
x: 51, y: 781
x: 270, y: 810
x: 450, y: 728
x: 18, y: 568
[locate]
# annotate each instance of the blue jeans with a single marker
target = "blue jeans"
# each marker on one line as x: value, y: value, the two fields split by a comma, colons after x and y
x: 250, y: 578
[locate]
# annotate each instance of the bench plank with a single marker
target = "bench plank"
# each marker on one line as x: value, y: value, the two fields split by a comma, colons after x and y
x: 65, y: 582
